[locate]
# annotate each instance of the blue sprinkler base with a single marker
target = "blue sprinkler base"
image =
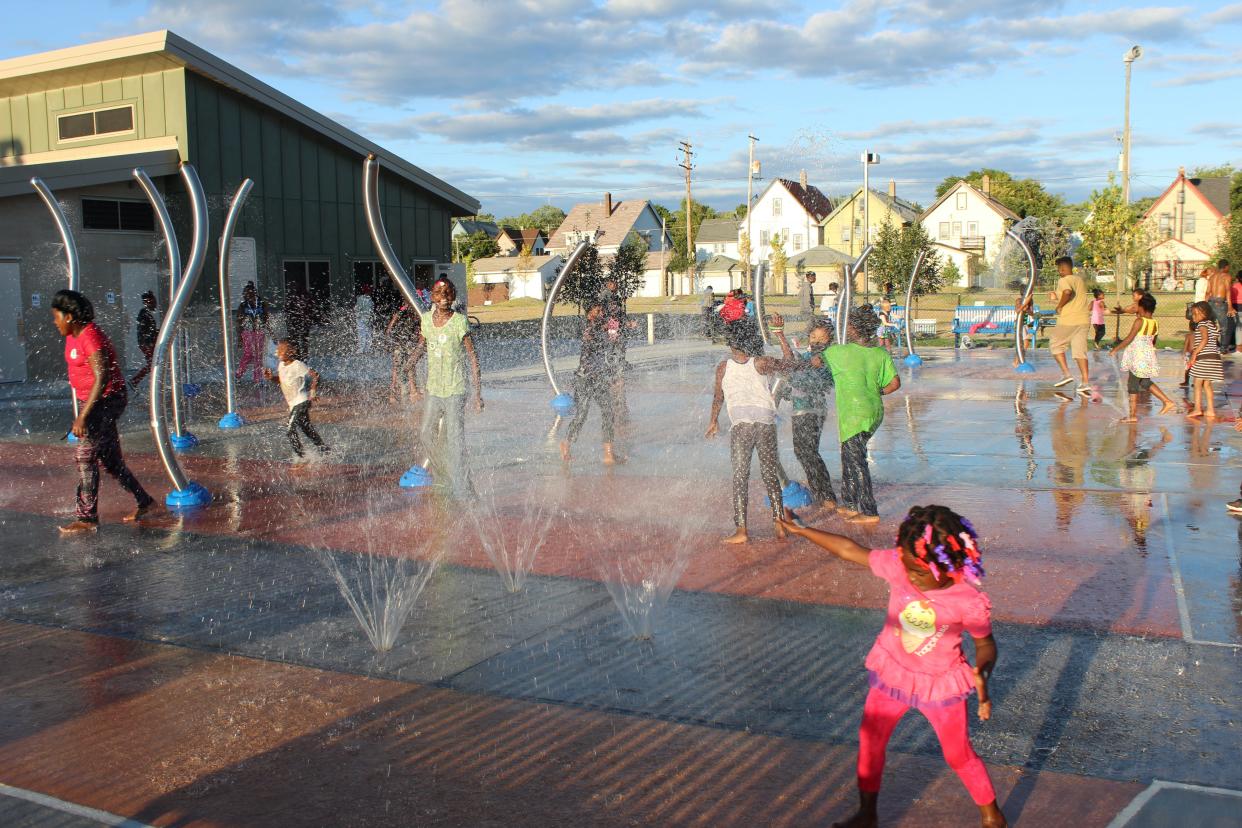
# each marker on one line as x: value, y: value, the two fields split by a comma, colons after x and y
x: 1025, y: 368
x: 793, y: 496
x: 71, y: 437
x: 913, y: 360
x: 232, y: 420
x: 416, y: 478
x: 183, y: 441
x: 191, y: 497
x: 563, y: 404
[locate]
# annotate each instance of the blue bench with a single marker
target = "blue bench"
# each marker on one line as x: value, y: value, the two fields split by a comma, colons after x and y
x: 995, y: 320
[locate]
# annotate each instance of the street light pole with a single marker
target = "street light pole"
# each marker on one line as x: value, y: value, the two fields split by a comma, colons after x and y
x: 868, y: 158
x: 750, y: 183
x: 1123, y: 266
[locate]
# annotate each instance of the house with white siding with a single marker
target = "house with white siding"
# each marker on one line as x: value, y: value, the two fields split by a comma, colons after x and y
x: 967, y: 226
x: 792, y: 210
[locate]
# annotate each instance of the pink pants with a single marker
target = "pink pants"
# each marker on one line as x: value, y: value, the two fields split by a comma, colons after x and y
x: 252, y: 352
x: 881, y: 714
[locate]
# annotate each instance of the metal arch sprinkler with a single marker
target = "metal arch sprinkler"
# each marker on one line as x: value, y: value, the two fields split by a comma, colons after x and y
x: 562, y: 403
x: 417, y: 476
x: 760, y: 314
x: 231, y: 418
x: 1024, y: 367
x: 845, y: 299
x: 71, y: 259
x: 186, y: 493
x: 912, y: 358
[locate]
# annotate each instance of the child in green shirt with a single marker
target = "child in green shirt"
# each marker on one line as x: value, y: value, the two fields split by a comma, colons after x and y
x: 862, y: 373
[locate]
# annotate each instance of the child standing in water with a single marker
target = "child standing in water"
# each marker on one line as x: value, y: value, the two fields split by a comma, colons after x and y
x: 594, y: 383
x: 1139, y: 359
x: 809, y: 395
x: 863, y: 374
x: 445, y: 338
x: 934, y: 576
x: 298, y: 382
x: 743, y: 386
x: 1205, y: 366
x: 1098, y: 309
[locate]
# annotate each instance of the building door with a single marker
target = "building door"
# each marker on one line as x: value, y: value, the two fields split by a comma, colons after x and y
x: 12, y: 346
x: 137, y: 277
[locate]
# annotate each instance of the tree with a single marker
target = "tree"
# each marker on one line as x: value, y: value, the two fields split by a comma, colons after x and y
x: 476, y: 246
x: 546, y: 218
x: 1225, y: 171
x: 675, y: 224
x: 629, y: 265
x: 524, y: 258
x: 743, y: 254
x: 895, y: 252
x: 1230, y: 246
x: 779, y: 262
x: 1112, y: 229
x: 1025, y: 196
x: 585, y: 283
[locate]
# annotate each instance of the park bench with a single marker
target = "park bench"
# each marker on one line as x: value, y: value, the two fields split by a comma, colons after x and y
x: 995, y: 320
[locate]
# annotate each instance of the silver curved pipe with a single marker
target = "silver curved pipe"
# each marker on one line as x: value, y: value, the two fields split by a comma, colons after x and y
x: 845, y: 299
x: 566, y: 270
x: 71, y: 249
x: 914, y: 274
x: 1026, y: 294
x: 174, y: 278
x: 760, y: 317
x: 226, y: 312
x: 379, y: 235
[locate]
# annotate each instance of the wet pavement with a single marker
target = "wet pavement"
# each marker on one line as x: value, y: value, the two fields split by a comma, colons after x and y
x: 212, y: 667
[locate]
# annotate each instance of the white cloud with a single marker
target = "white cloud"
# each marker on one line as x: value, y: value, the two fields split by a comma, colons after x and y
x: 894, y: 128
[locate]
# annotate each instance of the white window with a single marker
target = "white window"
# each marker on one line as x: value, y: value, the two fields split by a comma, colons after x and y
x: 797, y: 245
x: 961, y: 200
x: 776, y: 206
x: 1188, y: 222
x: 972, y: 228
x: 957, y: 229
x: 845, y: 232
x: 1166, y: 224
x: 764, y: 238
x: 944, y: 229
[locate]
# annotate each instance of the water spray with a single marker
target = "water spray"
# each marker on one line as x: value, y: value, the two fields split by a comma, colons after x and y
x: 71, y: 261
x: 562, y: 403
x: 231, y: 418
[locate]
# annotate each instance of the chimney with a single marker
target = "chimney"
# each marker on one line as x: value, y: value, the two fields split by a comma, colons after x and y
x: 1181, y: 172
x: 892, y: 188
x: 802, y: 179
x: 987, y: 184
x: 607, y: 205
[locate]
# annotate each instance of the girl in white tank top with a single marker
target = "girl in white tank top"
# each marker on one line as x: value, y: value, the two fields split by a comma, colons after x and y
x: 747, y: 393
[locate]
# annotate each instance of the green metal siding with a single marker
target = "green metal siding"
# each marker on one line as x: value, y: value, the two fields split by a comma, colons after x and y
x: 307, y: 198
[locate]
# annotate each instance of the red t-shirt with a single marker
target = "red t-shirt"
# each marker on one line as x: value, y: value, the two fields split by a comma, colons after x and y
x: 1235, y: 293
x: 77, y: 353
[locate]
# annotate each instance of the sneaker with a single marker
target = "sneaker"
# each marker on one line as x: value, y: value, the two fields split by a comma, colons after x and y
x: 1235, y: 506
x: 1062, y: 381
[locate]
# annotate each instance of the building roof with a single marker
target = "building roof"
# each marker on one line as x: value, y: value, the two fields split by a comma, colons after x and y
x: 89, y: 166
x: 987, y: 199
x: 717, y: 230
x: 531, y: 235
x: 610, y: 228
x: 513, y: 234
x: 106, y: 59
x: 810, y: 197
x: 1216, y: 191
x: 509, y: 265
x: 472, y: 226
x: 718, y: 264
x: 904, y: 209
x: 820, y: 256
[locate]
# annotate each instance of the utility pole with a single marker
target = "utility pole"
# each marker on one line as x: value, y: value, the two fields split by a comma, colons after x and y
x: 1123, y: 266
x: 686, y: 164
x: 868, y: 158
x: 665, y: 282
x: 750, y: 183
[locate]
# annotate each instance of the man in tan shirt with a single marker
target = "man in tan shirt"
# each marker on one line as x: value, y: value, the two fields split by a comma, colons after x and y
x: 1073, y: 324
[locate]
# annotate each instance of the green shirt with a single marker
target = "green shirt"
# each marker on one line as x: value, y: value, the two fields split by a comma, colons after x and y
x: 859, y: 373
x: 446, y: 355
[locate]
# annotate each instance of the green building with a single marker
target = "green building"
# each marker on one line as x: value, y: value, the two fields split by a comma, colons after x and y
x: 83, y: 118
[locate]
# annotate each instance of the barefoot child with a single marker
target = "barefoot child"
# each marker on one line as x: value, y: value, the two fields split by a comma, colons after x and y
x: 594, y: 383
x: 862, y: 374
x: 744, y: 389
x: 1206, y: 365
x: 99, y: 387
x: 809, y: 395
x: 934, y: 576
x: 1139, y: 359
x: 299, y: 383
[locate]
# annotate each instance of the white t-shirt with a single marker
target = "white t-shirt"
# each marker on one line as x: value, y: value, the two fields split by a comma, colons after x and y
x: 1201, y: 286
x: 295, y: 382
x: 829, y: 303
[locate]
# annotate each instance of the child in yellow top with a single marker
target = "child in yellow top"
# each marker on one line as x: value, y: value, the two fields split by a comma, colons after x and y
x: 1139, y: 359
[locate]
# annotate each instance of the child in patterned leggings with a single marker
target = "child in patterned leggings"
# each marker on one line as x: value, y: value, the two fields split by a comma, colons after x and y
x: 934, y: 578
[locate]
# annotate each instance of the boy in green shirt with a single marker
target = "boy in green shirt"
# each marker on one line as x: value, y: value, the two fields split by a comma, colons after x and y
x: 862, y: 373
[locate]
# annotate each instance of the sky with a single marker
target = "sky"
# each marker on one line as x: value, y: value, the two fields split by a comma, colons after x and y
x: 528, y: 102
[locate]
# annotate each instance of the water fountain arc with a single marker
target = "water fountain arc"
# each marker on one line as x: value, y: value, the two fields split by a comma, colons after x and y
x: 231, y: 418
x: 562, y: 403
x: 1023, y: 366
x: 186, y: 493
x: 845, y: 299
x: 912, y: 358
x: 72, y: 264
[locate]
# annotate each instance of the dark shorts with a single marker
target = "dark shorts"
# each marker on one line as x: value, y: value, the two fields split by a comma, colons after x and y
x: 1137, y: 385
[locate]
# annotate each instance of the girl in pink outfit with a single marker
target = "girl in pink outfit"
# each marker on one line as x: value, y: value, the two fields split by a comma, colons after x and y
x: 1097, y: 315
x: 934, y: 576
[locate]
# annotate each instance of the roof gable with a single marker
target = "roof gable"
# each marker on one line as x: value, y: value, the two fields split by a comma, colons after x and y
x: 610, y: 230
x: 985, y: 199
x: 717, y: 230
x: 903, y: 209
x: 1213, y: 193
x: 810, y: 198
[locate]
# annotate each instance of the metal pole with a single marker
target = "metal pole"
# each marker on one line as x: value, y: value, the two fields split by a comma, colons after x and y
x: 71, y: 251
x: 1123, y: 266
x: 1023, y: 367
x: 174, y: 274
x: 866, y: 216
x: 379, y: 235
x: 845, y: 299
x: 230, y: 419
x: 750, y: 181
x: 566, y: 270
x: 911, y: 357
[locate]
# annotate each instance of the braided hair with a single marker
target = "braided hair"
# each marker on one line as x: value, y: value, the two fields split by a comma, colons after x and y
x: 864, y: 321
x: 942, y: 542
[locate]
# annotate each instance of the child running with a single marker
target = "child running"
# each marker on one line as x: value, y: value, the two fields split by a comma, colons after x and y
x: 299, y: 383
x: 1206, y: 365
x: 934, y: 577
x: 1139, y: 359
x: 743, y: 388
x: 863, y: 374
x: 445, y: 338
